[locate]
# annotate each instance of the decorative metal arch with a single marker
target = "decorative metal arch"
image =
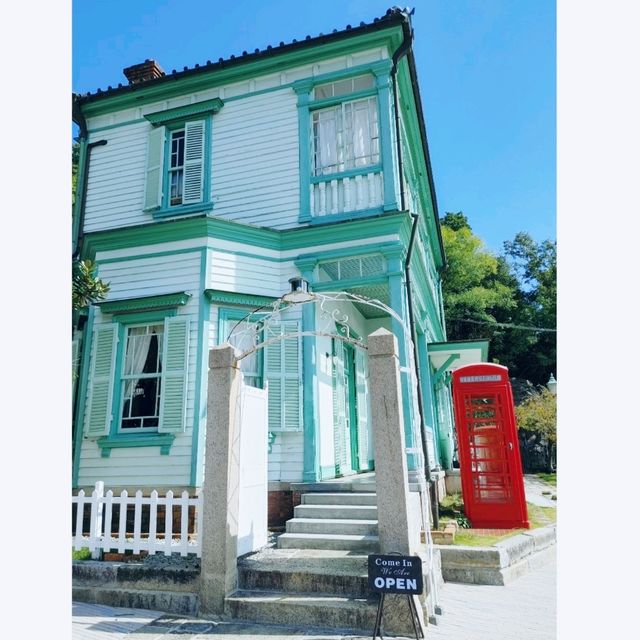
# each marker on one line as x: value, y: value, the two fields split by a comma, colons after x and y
x: 257, y: 329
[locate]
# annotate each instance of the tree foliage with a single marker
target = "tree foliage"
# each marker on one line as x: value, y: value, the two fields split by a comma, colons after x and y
x: 87, y: 288
x: 483, y: 292
x: 476, y: 284
x: 536, y: 418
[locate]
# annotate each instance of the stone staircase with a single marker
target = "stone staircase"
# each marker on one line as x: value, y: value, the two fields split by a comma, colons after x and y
x: 317, y: 576
x: 333, y: 521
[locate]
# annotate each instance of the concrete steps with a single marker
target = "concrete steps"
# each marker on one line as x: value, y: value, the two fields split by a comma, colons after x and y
x: 316, y: 588
x: 327, y: 541
x: 329, y: 611
x: 333, y: 520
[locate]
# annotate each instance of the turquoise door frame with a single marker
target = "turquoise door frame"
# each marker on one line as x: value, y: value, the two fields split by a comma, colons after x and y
x: 350, y: 388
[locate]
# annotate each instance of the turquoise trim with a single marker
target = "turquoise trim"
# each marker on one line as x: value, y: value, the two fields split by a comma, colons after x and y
x: 306, y: 105
x: 147, y: 303
x: 462, y: 345
x: 396, y: 294
x: 167, y: 211
x: 371, y: 465
x: 162, y: 440
x: 145, y: 317
x: 185, y: 112
x: 232, y: 297
x: 202, y: 370
x: 259, y: 237
x: 442, y: 369
x: 311, y: 423
x: 82, y: 395
x: 360, y: 171
x: 348, y: 215
x: 183, y: 210
x: 271, y: 438
x: 430, y: 421
x: 386, y: 149
x: 304, y: 153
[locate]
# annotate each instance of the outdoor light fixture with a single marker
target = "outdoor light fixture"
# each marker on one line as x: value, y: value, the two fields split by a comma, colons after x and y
x: 552, y: 385
x: 299, y: 291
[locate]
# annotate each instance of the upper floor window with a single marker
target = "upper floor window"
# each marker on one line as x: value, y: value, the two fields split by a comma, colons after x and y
x: 346, y: 137
x: 178, y: 174
x: 176, y: 167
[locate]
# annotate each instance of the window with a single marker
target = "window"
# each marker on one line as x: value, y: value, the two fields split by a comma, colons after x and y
x: 137, y: 387
x: 345, y: 136
x: 179, y: 158
x: 141, y: 382
x: 176, y: 168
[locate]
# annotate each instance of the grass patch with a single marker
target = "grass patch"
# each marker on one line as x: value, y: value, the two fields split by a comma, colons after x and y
x: 548, y: 477
x: 452, y: 508
x: 82, y: 554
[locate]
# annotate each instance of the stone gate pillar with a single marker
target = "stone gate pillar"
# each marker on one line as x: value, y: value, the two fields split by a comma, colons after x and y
x: 221, y: 486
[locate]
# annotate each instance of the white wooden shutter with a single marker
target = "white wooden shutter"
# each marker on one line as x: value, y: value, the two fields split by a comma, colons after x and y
x: 339, y: 408
x: 193, y: 162
x: 282, y: 372
x: 362, y: 394
x: 155, y: 161
x: 175, y: 363
x: 101, y: 377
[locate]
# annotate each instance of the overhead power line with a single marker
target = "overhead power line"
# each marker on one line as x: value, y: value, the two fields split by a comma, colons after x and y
x: 504, y: 324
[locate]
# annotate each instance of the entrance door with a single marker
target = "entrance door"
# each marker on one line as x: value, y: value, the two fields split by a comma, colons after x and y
x: 490, y: 469
x: 345, y: 417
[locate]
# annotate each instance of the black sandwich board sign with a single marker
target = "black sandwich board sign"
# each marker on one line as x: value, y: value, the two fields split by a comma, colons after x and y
x: 396, y: 574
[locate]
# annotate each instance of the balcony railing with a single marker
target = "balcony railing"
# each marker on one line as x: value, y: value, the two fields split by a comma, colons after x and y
x: 343, y: 193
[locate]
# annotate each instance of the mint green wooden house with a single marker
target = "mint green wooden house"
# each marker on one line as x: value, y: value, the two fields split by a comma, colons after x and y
x: 201, y: 193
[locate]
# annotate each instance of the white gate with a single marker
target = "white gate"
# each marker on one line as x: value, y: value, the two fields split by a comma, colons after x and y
x: 252, y: 520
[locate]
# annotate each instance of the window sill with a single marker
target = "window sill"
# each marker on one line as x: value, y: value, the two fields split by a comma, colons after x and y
x: 162, y: 440
x: 172, y: 212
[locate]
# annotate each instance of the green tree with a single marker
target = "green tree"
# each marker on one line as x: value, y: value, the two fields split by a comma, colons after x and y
x: 476, y: 284
x: 537, y: 422
x: 87, y: 288
x: 535, y: 266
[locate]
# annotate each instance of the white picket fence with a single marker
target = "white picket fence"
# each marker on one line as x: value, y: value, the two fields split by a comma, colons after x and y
x: 99, y: 535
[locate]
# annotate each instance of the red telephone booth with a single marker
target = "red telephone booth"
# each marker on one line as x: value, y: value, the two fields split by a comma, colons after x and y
x: 490, y: 466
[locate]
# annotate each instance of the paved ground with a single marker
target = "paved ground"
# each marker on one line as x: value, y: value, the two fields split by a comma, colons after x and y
x: 533, y: 488
x: 524, y: 609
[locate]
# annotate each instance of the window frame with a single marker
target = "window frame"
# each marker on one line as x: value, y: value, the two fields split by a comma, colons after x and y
x: 122, y: 377
x: 307, y: 104
x: 174, y: 120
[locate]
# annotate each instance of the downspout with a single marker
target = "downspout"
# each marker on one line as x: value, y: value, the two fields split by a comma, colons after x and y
x: 80, y: 120
x: 401, y: 51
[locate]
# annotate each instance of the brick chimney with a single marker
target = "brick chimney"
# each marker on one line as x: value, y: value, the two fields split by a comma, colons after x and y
x: 147, y: 70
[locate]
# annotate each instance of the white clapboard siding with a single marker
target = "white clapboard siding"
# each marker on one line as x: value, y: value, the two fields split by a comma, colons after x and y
x: 286, y: 457
x: 153, y: 538
x: 240, y: 273
x: 115, y: 193
x: 255, y: 175
x: 146, y: 466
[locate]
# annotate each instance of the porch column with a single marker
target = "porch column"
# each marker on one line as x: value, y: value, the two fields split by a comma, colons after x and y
x: 397, y: 299
x: 221, y: 487
x: 427, y: 393
x: 311, y: 423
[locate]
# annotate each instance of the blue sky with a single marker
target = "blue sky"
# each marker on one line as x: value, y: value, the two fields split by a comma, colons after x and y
x: 486, y: 71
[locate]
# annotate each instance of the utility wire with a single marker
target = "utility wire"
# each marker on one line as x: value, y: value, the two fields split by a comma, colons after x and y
x: 503, y: 324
